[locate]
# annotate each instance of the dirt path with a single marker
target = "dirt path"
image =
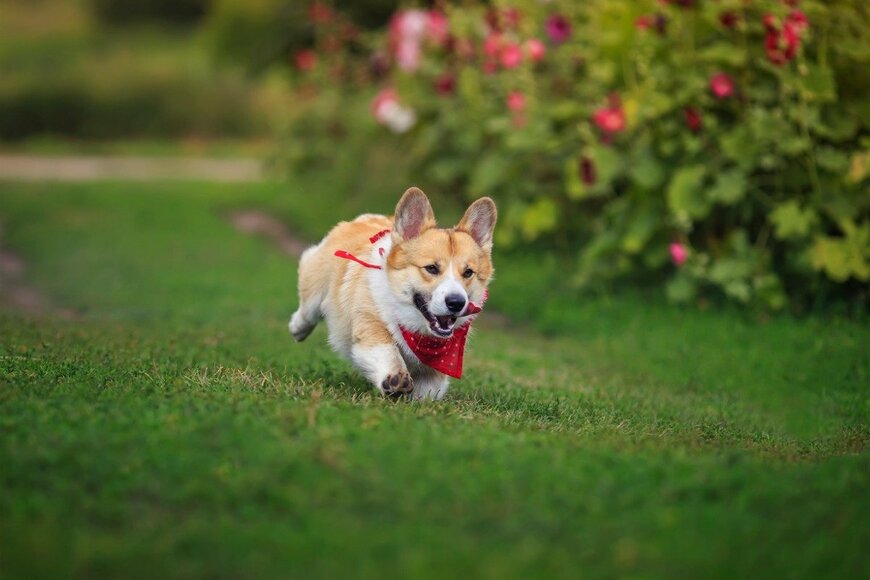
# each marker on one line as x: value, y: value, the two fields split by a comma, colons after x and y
x: 16, y: 167
x: 16, y: 295
x: 259, y: 223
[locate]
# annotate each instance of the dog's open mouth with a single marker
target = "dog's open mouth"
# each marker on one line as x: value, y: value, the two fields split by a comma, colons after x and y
x: 439, y: 325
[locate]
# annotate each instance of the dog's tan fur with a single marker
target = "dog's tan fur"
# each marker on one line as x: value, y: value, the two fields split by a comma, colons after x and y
x: 364, y: 307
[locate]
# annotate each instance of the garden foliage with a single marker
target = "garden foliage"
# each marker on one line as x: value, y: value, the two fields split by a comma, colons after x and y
x: 722, y: 144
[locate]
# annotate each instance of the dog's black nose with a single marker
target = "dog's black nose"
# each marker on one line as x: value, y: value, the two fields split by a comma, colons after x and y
x: 455, y: 303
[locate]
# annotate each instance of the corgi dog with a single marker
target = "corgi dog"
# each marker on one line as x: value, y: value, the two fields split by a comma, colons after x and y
x: 399, y: 294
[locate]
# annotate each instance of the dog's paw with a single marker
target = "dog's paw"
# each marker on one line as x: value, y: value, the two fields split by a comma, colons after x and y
x: 299, y: 328
x: 398, y: 384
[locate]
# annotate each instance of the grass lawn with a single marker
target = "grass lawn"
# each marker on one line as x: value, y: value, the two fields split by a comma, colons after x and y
x: 173, y: 429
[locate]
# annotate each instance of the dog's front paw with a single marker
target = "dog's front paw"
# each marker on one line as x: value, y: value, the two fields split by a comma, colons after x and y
x: 398, y: 384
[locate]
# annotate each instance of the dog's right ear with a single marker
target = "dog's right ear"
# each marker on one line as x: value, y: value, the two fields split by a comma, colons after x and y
x: 414, y: 215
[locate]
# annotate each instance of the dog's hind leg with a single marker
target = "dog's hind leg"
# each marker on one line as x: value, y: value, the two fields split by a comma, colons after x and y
x: 313, y: 285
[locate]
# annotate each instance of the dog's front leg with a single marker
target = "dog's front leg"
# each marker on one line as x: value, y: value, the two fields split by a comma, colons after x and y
x: 431, y: 385
x: 375, y: 354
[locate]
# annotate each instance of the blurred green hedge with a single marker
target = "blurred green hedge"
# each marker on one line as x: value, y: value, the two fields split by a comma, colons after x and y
x: 141, y: 107
x: 137, y: 11
x: 720, y: 148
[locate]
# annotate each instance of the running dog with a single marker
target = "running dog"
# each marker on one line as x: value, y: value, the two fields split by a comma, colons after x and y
x: 399, y: 294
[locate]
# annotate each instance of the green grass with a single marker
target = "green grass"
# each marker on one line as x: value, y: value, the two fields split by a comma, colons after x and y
x: 175, y: 429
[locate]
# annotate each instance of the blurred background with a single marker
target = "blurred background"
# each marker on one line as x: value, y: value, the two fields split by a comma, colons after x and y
x: 714, y: 150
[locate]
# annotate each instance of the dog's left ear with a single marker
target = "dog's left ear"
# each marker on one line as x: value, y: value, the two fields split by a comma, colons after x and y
x: 479, y: 222
x: 414, y: 214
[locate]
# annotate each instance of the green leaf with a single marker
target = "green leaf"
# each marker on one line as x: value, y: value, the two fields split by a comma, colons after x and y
x: 608, y: 164
x: 540, y: 217
x: 729, y: 187
x: 723, y: 53
x: 488, y: 174
x: 739, y: 146
x: 574, y: 186
x: 682, y: 288
x: 832, y: 159
x: 819, y: 84
x: 846, y: 257
x: 685, y: 194
x: 790, y: 222
x: 645, y: 170
x: 642, y: 224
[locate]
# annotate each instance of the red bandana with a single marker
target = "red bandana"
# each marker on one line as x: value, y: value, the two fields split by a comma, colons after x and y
x: 445, y: 355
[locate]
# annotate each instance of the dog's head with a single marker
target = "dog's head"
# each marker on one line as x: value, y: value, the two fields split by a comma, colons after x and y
x: 435, y: 273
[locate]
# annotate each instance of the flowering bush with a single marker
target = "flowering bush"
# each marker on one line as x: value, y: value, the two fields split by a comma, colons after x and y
x: 723, y: 143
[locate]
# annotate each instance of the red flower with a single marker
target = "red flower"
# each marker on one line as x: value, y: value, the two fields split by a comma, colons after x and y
x: 511, y: 17
x: 610, y: 119
x: 320, y: 13
x: 516, y: 101
x: 558, y: 28
x: 305, y: 59
x: 798, y: 20
x: 445, y: 85
x: 535, y: 49
x: 693, y: 119
x: 511, y: 55
x: 644, y: 22
x: 729, y: 19
x: 722, y: 85
x: 587, y: 171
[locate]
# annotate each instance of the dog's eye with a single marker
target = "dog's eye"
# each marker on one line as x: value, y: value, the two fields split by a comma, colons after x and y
x: 468, y: 273
x: 433, y: 269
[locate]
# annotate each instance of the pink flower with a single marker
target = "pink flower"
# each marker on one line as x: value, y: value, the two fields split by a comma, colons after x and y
x: 408, y: 55
x: 558, y: 28
x: 722, y: 85
x: 535, y: 49
x: 438, y: 28
x: 492, y: 45
x: 306, y: 59
x: 516, y: 101
x: 679, y: 253
x: 445, y: 85
x: 410, y: 24
x: 384, y: 97
x: 693, y: 119
x: 464, y: 48
x: 610, y: 119
x: 511, y: 55
x: 387, y: 111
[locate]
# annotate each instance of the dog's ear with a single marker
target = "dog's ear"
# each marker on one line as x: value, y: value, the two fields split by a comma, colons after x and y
x: 479, y: 222
x: 413, y: 214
